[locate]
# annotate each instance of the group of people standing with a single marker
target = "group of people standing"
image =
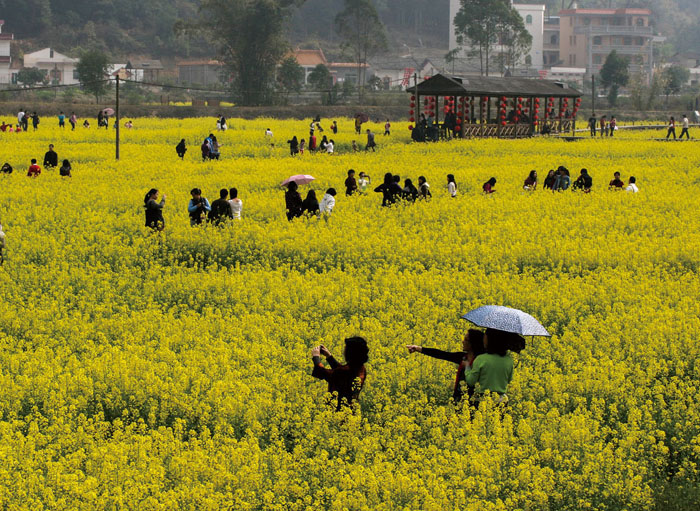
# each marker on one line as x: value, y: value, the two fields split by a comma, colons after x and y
x: 227, y: 207
x: 607, y: 128
x: 560, y: 180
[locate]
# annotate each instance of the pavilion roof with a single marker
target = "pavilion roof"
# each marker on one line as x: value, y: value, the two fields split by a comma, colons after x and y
x: 442, y: 85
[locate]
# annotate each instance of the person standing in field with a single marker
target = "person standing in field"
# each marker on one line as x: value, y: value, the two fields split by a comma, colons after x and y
x: 387, y: 128
x: 154, y: 210
x: 20, y: 117
x: 363, y: 182
x: 293, y: 146
x: 344, y: 380
x: 613, y: 126
x: 472, y: 347
x: 220, y: 209
x: 35, y: 121
x: 616, y: 183
x: 451, y: 185
x: 198, y: 207
x: 215, y: 148
x: 350, y: 183
x: 604, y: 126
x: 671, y: 128
x: 235, y: 203
x: 181, y: 149
x: 61, y: 120
x: 632, y: 186
x: 34, y: 169
x: 327, y: 204
x: 387, y: 190
x: 592, y: 123
x: 312, y: 143
x: 685, y: 125
x: 293, y: 201
x: 302, y: 146
x: 50, y: 158
x: 424, y: 188
x: 583, y: 182
x: 73, y: 120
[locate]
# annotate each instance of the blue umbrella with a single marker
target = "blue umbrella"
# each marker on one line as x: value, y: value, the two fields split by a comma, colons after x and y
x: 507, y: 320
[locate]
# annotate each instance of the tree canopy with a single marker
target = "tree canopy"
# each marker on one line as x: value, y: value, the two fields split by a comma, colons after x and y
x: 614, y: 74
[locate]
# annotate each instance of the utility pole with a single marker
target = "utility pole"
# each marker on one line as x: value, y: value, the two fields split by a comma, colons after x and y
x: 117, y: 118
x: 593, y: 92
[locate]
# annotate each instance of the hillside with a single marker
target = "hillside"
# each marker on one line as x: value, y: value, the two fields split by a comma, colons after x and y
x: 127, y: 27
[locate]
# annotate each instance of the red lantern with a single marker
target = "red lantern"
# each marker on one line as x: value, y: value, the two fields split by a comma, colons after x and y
x: 411, y: 112
x: 412, y: 119
x: 410, y: 128
x: 413, y: 105
x: 413, y: 98
x: 458, y: 128
x: 536, y: 117
x: 459, y: 120
x: 503, y: 123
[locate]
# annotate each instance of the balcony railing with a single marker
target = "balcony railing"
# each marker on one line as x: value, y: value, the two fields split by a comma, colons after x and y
x: 614, y: 30
x: 624, y: 48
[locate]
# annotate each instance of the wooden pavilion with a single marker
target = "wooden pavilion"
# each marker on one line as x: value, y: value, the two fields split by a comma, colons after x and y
x: 481, y: 106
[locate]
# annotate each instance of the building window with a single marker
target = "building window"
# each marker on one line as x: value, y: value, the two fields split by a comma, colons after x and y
x: 597, y: 59
x: 554, y: 39
x: 628, y: 41
x: 75, y: 75
x: 640, y: 22
x: 574, y: 59
x: 528, y: 19
x: 586, y: 21
x: 574, y: 40
x: 597, y: 40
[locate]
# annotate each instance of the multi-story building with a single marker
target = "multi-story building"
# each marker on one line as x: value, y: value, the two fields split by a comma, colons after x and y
x: 587, y: 36
x: 5, y: 59
x: 550, y: 48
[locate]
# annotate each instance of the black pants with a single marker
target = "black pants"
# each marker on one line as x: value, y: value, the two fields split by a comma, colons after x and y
x: 593, y: 131
x: 671, y: 131
x: 684, y: 131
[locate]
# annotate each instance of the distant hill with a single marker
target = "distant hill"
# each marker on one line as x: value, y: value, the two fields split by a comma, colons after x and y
x: 145, y: 27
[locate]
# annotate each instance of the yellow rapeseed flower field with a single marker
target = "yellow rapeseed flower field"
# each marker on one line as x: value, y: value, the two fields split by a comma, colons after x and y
x: 161, y: 371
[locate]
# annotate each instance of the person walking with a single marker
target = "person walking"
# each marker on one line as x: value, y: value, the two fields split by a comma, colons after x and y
x: 592, y: 124
x: 671, y: 128
x: 62, y: 120
x: 472, y: 347
x: 181, y: 149
x: 604, y: 126
x: 73, y: 120
x: 387, y: 128
x: 235, y: 203
x: 371, y: 144
x: 293, y: 201
x: 198, y: 207
x: 50, y: 158
x: 293, y: 146
x: 613, y: 126
x: 345, y: 381
x: 154, y: 210
x: 684, y: 125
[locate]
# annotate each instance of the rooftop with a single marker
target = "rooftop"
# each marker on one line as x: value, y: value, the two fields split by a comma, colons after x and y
x: 605, y: 12
x: 441, y: 85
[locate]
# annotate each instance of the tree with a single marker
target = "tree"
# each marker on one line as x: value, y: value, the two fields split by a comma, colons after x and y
x: 363, y: 33
x: 514, y: 38
x: 479, y: 23
x: 93, y: 69
x: 320, y: 78
x: 290, y: 75
x: 249, y: 37
x: 674, y: 78
x: 30, y: 76
x: 614, y: 74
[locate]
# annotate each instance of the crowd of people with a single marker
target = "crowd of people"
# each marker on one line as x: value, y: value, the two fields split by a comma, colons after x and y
x: 227, y: 207
x: 50, y: 162
x: 560, y: 180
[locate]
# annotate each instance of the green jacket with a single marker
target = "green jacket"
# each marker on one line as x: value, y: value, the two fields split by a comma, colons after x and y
x: 491, y: 372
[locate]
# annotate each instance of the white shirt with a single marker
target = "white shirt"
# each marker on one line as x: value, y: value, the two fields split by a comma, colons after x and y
x: 329, y: 147
x: 2, y: 238
x: 364, y: 183
x: 327, y: 204
x: 685, y: 122
x: 632, y: 187
x: 268, y: 133
x: 452, y: 188
x: 20, y: 116
x: 236, y: 208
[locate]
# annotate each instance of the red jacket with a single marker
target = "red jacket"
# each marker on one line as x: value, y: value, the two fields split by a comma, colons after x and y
x: 34, y: 170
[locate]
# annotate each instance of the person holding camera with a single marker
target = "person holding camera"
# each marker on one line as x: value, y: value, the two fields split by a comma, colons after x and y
x: 198, y: 207
x: 345, y: 381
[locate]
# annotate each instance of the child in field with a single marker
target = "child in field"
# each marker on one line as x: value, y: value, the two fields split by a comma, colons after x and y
x: 488, y: 186
x: 616, y: 183
x: 310, y: 205
x: 346, y: 381
x: 350, y: 183
x: 363, y: 182
x: 531, y: 182
x: 472, y: 347
x: 387, y: 128
x: 181, y: 149
x: 34, y: 169
x: 327, y: 204
x: 302, y: 146
x: 451, y: 185
x: 65, y: 169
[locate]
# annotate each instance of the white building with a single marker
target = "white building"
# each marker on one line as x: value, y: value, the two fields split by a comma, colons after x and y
x: 533, y: 18
x: 59, y: 68
x: 5, y: 59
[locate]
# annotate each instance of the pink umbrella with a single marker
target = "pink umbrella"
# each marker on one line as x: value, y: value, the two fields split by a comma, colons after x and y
x: 300, y: 179
x: 108, y: 111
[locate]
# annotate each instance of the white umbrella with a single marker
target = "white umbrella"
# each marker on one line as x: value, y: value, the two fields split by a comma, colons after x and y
x: 507, y: 320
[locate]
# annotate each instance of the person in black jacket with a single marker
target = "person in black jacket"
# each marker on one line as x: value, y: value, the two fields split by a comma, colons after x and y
x: 6, y: 168
x: 154, y: 210
x: 181, y: 149
x: 388, y: 190
x: 310, y: 205
x: 472, y: 347
x: 293, y: 146
x: 293, y: 201
x: 583, y: 182
x: 409, y: 192
x: 50, y: 158
x: 220, y: 208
